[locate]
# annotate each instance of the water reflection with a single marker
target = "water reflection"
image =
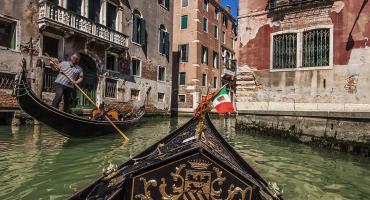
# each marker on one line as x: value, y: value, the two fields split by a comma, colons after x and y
x: 37, y: 162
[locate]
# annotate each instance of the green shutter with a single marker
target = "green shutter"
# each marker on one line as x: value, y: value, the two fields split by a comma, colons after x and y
x: 167, y: 44
x: 167, y: 4
x: 142, y: 32
x: 184, y: 22
x: 14, y: 35
x: 161, y: 41
x: 134, y: 28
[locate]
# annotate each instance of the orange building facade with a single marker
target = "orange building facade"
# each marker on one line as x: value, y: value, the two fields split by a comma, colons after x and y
x: 204, y: 39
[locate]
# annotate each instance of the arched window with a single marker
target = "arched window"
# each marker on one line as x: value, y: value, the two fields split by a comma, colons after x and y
x: 164, y: 40
x: 138, y: 28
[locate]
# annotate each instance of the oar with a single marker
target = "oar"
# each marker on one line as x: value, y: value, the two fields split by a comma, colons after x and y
x: 88, y: 98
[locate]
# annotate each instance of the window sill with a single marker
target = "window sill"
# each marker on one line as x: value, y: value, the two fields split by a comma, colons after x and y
x: 161, y: 81
x: 136, y: 76
x: 301, y: 69
x: 111, y: 98
x: 137, y: 44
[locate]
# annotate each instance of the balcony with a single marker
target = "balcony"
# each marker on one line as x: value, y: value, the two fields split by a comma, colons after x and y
x: 229, y: 68
x: 278, y: 4
x: 51, y: 14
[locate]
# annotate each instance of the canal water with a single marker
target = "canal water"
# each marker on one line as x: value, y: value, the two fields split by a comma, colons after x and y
x: 37, y: 163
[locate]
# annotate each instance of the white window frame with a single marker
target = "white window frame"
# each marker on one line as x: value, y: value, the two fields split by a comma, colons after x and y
x: 115, y: 61
x: 299, y: 33
x: 179, y: 99
x: 17, y: 33
x: 159, y: 66
x: 131, y: 67
x: 132, y: 26
x: 105, y: 87
x: 223, y: 40
x: 60, y: 44
x: 138, y: 96
x: 159, y: 40
x: 217, y: 35
x: 206, y: 31
x: 186, y: 5
x: 164, y: 97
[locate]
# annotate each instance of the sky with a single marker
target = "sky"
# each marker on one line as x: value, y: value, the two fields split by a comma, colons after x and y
x: 233, y: 4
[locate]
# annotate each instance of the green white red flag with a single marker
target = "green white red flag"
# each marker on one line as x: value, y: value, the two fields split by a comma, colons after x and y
x: 222, y: 102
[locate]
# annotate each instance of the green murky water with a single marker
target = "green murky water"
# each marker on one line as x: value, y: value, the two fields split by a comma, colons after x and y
x: 37, y: 163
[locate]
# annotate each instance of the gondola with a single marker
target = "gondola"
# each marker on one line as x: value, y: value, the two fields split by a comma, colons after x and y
x: 69, y: 125
x: 192, y: 162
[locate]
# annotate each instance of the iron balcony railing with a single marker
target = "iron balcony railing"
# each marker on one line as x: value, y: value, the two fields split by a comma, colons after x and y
x: 275, y: 4
x: 49, y: 12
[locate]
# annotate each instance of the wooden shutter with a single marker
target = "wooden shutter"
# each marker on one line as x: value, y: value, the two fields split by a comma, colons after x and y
x: 142, y: 32
x: 134, y: 28
x: 167, y: 4
x: 167, y: 44
x: 187, y: 53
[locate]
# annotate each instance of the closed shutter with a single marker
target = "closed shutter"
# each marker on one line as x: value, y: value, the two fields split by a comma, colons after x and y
x: 134, y: 28
x: 167, y: 44
x: 167, y: 4
x: 187, y: 53
x: 161, y: 41
x: 142, y: 32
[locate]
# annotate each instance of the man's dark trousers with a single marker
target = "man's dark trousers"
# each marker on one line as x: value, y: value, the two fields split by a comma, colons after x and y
x: 65, y: 93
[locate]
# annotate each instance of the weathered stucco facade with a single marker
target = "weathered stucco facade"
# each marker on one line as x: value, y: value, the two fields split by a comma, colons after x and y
x: 102, y: 32
x: 285, y: 66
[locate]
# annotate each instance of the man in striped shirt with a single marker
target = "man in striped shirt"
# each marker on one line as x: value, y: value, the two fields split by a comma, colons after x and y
x: 63, y: 86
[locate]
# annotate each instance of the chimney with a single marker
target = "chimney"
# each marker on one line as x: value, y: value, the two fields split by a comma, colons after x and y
x: 228, y: 9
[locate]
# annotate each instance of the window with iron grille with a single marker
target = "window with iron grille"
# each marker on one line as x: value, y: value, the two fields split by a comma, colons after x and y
x: 316, y: 48
x: 6, y: 80
x: 285, y: 51
x: 110, y: 88
x: 48, y: 81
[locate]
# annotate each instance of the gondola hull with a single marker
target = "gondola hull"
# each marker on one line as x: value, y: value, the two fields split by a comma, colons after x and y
x: 69, y: 125
x: 192, y: 162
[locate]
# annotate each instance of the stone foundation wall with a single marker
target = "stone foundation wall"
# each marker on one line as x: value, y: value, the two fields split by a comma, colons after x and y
x: 338, y: 131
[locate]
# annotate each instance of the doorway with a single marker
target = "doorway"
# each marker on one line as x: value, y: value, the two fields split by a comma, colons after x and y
x: 89, y: 84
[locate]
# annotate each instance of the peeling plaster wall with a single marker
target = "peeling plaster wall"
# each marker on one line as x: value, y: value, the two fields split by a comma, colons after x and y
x: 344, y: 86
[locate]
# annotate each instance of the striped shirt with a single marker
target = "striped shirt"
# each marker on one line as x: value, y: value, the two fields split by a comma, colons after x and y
x: 74, y: 72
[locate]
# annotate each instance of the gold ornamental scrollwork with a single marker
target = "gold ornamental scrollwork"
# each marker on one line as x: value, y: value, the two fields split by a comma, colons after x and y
x: 147, y: 194
x: 215, y: 194
x: 177, y: 190
x: 237, y: 190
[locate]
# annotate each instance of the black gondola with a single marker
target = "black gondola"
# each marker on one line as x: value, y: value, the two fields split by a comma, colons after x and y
x: 69, y: 125
x: 192, y: 162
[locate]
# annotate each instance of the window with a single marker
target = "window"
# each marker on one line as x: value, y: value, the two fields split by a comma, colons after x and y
x: 164, y: 41
x: 204, y: 79
x: 223, y: 37
x: 216, y: 13
x: 160, y: 97
x: 184, y: 53
x: 215, y: 32
x: 182, y: 78
x: 285, y: 51
x: 8, y: 34
x: 232, y: 43
x: 205, y: 24
x: 74, y: 6
x: 50, y: 46
x: 135, y: 94
x: 316, y: 48
x: 205, y: 5
x: 161, y: 73
x: 111, y: 62
x: 110, y: 88
x: 111, y: 16
x: 136, y: 67
x: 204, y: 55
x: 184, y: 22
x: 94, y: 10
x: 182, y: 98
x: 224, y: 20
x: 165, y: 3
x: 184, y: 3
x: 138, y: 29
x: 214, y: 82
x: 215, y: 60
x: 302, y: 48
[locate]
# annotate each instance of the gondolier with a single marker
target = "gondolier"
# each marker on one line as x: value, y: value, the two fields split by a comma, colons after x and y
x: 63, y: 86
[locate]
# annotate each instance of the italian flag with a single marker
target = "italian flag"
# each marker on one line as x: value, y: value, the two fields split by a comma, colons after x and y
x: 222, y: 102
